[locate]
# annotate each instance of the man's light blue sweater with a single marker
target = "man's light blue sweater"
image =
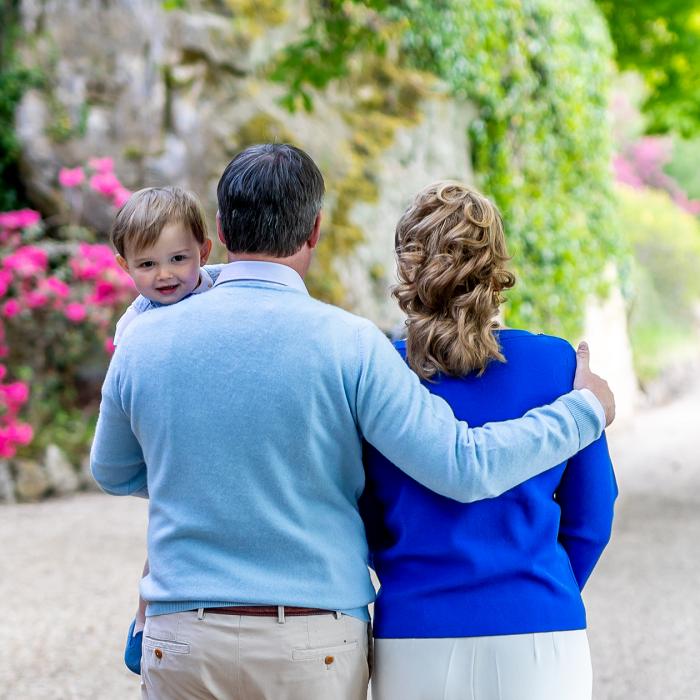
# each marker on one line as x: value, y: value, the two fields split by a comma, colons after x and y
x: 249, y: 404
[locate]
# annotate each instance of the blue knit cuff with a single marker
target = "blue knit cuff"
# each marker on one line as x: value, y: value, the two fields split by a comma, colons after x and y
x: 588, y: 419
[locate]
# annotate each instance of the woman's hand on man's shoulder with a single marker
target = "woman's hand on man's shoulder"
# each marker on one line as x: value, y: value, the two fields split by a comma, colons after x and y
x: 585, y: 379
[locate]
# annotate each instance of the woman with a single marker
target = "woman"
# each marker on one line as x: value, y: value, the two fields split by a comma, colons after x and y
x: 480, y: 601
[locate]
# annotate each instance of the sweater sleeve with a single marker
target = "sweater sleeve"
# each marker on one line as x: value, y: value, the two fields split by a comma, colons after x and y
x: 116, y: 459
x: 418, y: 432
x: 586, y: 496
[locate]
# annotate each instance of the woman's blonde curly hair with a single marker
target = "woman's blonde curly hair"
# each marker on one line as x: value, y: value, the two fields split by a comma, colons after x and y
x: 451, y: 255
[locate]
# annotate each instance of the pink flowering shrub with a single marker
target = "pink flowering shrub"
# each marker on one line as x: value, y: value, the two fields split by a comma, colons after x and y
x: 71, y: 177
x: 642, y: 165
x: 100, y: 177
x: 13, y: 432
x: 59, y: 302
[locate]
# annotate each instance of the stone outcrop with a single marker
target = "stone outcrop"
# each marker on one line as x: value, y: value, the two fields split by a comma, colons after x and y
x: 172, y: 95
x: 31, y: 482
x: 7, y: 483
x: 61, y: 474
x: 28, y: 480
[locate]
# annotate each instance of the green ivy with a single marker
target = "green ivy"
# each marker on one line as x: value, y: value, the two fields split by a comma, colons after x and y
x: 14, y: 81
x: 660, y: 40
x: 338, y: 31
x: 538, y: 73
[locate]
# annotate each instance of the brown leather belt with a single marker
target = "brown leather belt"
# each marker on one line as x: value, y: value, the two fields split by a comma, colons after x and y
x: 267, y: 611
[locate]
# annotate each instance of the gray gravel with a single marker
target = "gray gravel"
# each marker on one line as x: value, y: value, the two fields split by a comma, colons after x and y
x: 69, y: 570
x: 644, y: 598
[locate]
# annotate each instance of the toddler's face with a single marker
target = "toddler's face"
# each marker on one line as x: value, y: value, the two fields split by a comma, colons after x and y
x: 169, y: 270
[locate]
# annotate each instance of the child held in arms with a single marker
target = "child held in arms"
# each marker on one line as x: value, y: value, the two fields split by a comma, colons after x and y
x: 161, y: 241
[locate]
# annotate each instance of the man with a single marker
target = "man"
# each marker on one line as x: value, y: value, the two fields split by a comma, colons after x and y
x: 249, y: 404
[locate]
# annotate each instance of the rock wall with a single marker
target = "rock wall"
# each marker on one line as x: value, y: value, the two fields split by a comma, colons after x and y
x: 27, y: 480
x: 173, y: 95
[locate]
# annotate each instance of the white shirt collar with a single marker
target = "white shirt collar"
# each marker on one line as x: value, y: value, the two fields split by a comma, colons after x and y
x: 263, y: 272
x: 205, y: 282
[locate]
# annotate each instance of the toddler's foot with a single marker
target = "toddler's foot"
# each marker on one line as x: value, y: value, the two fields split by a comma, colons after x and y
x: 132, y: 653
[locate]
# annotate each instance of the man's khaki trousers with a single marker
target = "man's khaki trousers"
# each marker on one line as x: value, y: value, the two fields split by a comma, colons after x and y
x: 191, y: 655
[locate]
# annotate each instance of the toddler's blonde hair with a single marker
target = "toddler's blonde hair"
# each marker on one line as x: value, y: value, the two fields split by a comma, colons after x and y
x: 144, y: 215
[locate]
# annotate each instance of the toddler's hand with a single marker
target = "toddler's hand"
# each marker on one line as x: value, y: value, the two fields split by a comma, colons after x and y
x: 132, y: 653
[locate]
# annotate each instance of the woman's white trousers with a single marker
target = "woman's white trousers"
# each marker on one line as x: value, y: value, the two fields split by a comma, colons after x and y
x: 542, y: 666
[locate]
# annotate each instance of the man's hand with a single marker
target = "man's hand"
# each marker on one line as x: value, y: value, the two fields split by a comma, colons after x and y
x: 585, y: 379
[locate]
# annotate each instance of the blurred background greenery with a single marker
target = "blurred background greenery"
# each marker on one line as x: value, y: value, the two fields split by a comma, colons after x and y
x: 580, y: 118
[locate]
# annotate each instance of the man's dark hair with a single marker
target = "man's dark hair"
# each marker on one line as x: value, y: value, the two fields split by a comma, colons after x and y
x: 269, y: 197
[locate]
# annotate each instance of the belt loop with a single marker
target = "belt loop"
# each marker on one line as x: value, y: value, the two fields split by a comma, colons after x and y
x: 280, y: 614
x: 200, y: 613
x: 338, y: 614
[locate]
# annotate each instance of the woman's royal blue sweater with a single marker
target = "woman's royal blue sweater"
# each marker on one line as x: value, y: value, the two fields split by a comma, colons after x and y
x: 513, y: 564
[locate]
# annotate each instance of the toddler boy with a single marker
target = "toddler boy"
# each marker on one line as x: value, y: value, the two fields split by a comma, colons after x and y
x: 161, y: 241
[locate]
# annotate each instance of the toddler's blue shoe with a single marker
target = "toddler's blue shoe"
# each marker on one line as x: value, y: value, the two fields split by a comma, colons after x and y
x: 132, y: 653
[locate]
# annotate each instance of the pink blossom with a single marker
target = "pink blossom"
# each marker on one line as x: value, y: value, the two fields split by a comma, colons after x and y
x: 5, y: 281
x: 57, y: 287
x: 105, y: 294
x: 7, y: 449
x: 10, y: 239
x: 20, y: 433
x: 4, y: 350
x: 71, y: 177
x: 75, y: 312
x: 625, y: 172
x: 101, y: 165
x: 27, y: 261
x: 3, y: 372
x: 35, y: 299
x: 105, y: 183
x: 91, y: 260
x: 22, y: 218
x: 124, y: 279
x: 121, y: 197
x: 642, y: 165
x: 16, y: 393
x: 11, y: 308
x: 12, y: 434
x: 109, y: 345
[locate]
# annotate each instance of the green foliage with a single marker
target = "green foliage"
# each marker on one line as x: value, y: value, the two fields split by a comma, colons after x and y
x: 14, y: 81
x: 665, y: 242
x: 684, y: 166
x: 661, y: 40
x: 174, y: 5
x: 261, y: 128
x: 339, y: 31
x: 62, y: 127
x: 63, y: 360
x: 261, y: 12
x: 538, y: 72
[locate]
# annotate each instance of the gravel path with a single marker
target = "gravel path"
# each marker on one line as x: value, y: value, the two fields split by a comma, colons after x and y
x: 643, y: 600
x: 69, y: 569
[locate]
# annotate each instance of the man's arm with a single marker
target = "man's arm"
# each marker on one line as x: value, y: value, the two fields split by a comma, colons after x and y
x: 418, y: 432
x: 116, y: 459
